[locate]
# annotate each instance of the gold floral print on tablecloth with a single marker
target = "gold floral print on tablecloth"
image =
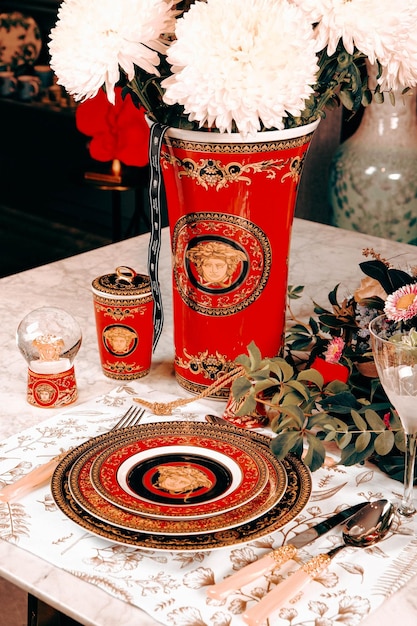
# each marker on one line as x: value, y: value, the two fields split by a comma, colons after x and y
x: 171, y: 585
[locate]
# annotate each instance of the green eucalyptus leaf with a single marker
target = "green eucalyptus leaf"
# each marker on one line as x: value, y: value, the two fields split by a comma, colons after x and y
x: 329, y: 423
x: 352, y: 415
x: 351, y: 456
x: 374, y: 421
x: 340, y: 424
x: 362, y: 441
x: 358, y: 420
x: 395, y: 421
x: 384, y: 442
x: 344, y: 440
x: 399, y: 439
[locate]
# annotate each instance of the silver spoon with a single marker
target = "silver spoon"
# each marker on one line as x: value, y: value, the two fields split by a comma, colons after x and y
x: 363, y: 529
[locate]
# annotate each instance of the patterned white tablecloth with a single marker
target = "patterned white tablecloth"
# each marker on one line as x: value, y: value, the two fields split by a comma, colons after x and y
x: 171, y: 586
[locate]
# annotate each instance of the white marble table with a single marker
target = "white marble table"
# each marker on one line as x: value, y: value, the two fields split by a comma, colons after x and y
x: 321, y: 257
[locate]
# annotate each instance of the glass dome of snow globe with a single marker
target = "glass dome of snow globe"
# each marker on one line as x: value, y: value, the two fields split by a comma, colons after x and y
x: 49, y: 339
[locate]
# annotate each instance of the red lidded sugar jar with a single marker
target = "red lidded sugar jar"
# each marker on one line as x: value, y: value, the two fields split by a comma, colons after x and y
x: 123, y: 306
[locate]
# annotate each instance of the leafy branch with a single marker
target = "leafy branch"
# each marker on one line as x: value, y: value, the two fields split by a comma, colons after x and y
x: 308, y: 415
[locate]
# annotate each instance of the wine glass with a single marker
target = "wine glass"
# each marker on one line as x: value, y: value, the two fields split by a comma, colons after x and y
x: 396, y: 364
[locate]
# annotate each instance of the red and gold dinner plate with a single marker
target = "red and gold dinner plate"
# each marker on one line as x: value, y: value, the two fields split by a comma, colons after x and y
x: 76, y: 497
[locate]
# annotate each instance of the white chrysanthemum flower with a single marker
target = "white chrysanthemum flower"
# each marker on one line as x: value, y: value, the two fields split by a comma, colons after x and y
x: 247, y: 65
x: 381, y: 29
x: 92, y: 38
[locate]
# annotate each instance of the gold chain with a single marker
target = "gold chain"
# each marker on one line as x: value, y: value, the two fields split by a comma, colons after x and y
x: 166, y: 408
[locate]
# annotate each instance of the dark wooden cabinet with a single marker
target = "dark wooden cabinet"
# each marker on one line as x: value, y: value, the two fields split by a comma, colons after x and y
x: 47, y: 209
x: 43, y: 159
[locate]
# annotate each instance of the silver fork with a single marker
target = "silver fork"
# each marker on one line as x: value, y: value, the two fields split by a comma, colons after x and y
x: 132, y: 417
x: 43, y: 473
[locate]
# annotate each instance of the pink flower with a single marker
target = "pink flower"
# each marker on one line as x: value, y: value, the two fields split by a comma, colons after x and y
x: 334, y: 350
x: 402, y: 304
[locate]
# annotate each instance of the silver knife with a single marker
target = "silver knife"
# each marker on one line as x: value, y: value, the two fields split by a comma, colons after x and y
x: 281, y: 555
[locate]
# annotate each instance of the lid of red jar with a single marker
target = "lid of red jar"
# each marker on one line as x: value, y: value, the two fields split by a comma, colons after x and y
x: 124, y: 282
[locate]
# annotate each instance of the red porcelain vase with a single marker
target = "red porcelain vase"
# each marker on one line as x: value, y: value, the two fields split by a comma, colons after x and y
x: 230, y: 209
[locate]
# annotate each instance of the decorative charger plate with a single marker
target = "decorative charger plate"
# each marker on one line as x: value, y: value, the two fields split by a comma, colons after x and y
x: 179, y: 473
x: 20, y: 40
x: 91, y: 501
x: 293, y: 501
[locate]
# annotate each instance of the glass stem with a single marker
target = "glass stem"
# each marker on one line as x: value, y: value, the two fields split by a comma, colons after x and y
x: 407, y: 505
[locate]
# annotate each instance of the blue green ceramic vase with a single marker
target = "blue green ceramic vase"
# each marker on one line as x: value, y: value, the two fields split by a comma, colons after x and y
x: 373, y: 174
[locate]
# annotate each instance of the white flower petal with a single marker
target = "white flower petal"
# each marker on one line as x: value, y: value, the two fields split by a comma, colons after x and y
x: 245, y: 67
x: 381, y: 29
x: 92, y: 38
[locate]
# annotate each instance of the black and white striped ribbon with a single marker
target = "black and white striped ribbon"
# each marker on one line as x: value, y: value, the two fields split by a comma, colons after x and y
x: 156, y: 136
